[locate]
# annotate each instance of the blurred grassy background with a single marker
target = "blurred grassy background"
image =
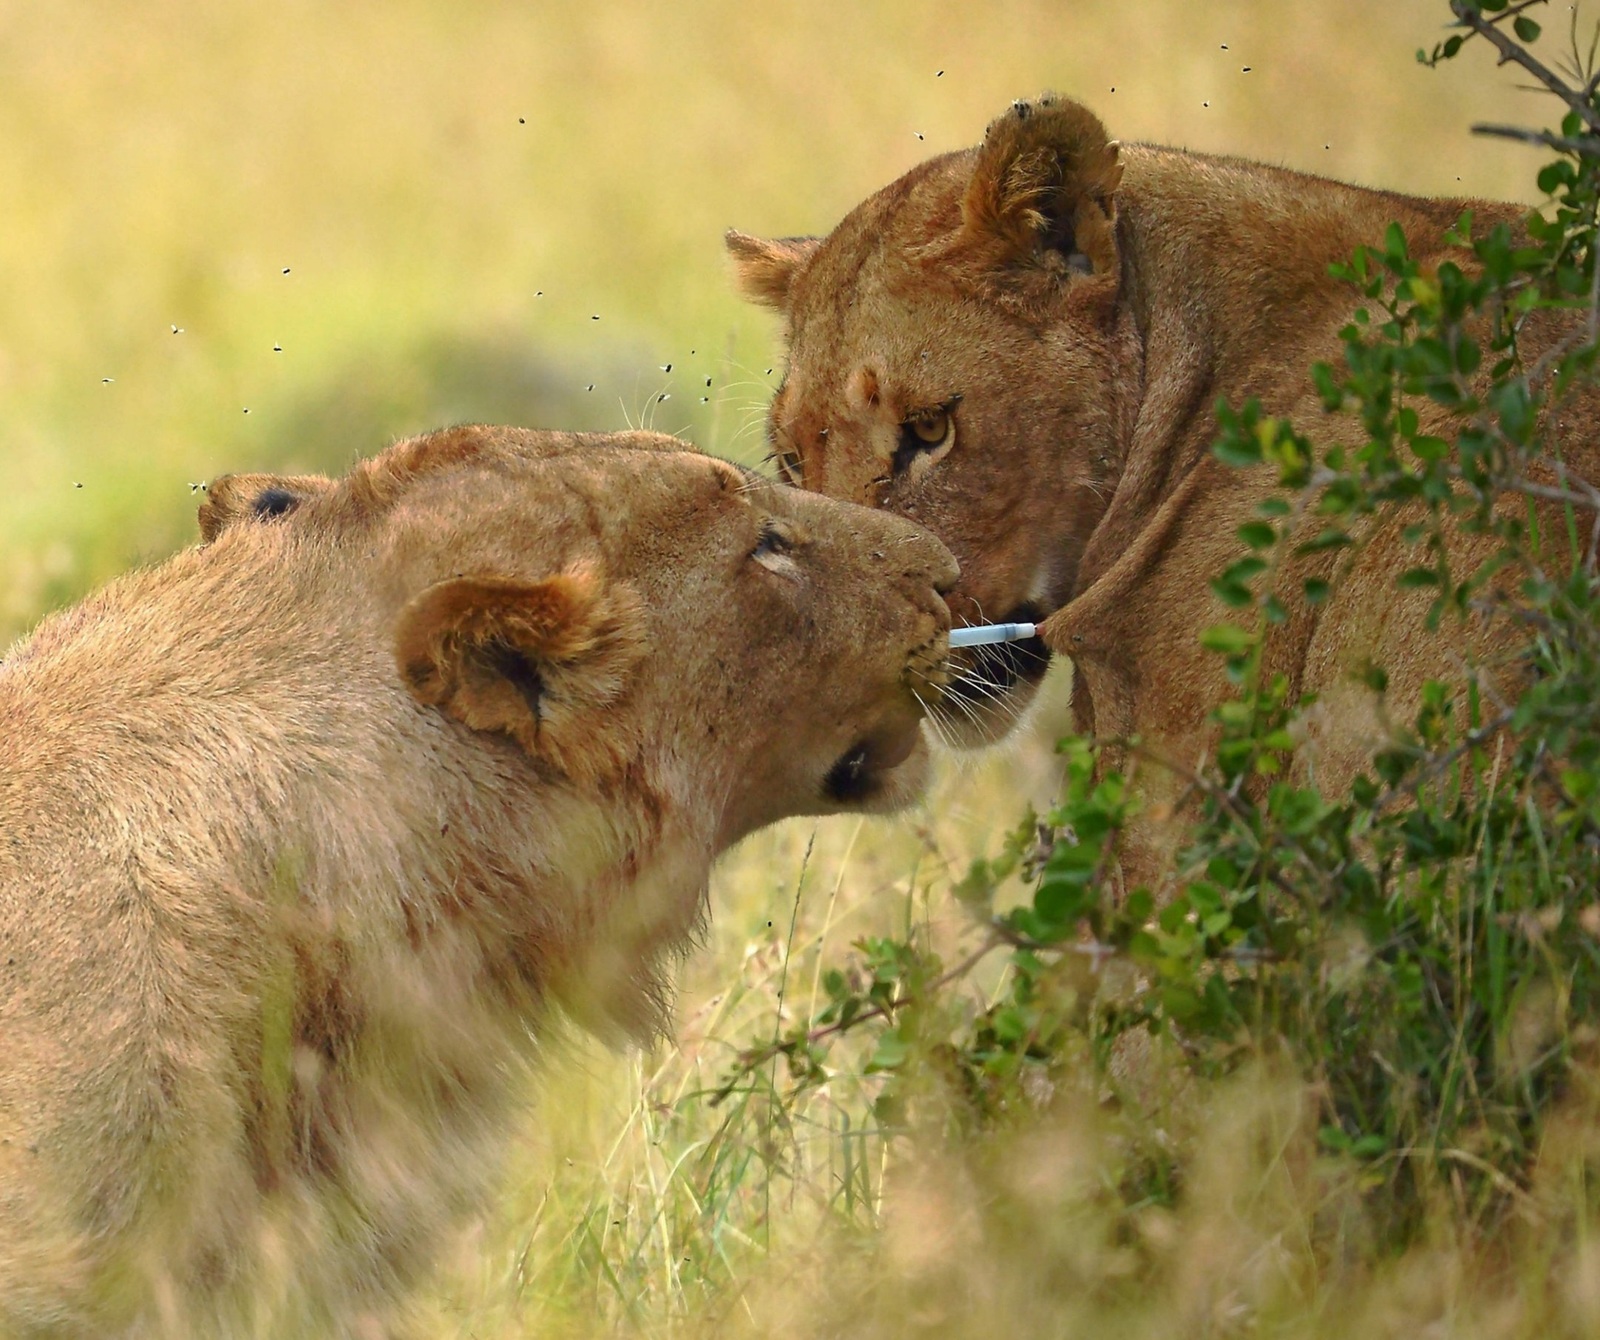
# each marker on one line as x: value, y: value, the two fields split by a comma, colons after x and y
x: 350, y: 213
x: 277, y: 235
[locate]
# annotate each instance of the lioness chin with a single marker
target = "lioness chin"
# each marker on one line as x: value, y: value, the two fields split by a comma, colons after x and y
x: 1021, y: 345
x: 303, y: 831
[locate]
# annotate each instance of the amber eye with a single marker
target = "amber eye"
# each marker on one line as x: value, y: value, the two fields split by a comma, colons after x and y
x: 932, y: 430
x: 925, y: 437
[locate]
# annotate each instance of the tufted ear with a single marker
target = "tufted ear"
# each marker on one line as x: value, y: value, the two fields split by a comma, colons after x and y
x: 257, y: 497
x: 535, y: 660
x: 763, y: 268
x: 1043, y: 189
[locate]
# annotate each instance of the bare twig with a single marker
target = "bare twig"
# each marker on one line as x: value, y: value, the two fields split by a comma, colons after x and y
x: 1204, y: 786
x: 1589, y: 148
x: 1093, y: 950
x: 1586, y: 497
x: 1514, y: 52
x: 1594, y: 305
x: 1439, y: 763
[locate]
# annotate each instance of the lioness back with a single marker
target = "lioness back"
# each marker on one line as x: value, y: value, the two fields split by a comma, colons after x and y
x: 303, y: 832
x: 1021, y: 346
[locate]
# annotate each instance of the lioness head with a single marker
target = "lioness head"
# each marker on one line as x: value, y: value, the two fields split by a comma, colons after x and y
x: 625, y: 606
x: 949, y: 359
x: 1022, y: 346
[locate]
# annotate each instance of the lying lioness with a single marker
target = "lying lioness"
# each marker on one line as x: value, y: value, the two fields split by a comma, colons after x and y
x: 1021, y: 345
x: 302, y: 829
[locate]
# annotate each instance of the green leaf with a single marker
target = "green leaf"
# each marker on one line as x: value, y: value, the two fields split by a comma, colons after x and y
x: 1231, y: 593
x: 1239, y: 452
x: 890, y: 1053
x: 1229, y: 639
x: 976, y: 889
x: 1257, y: 534
x: 1062, y: 901
x: 1181, y: 1002
x: 1526, y: 28
x: 1330, y: 538
x: 1009, y: 1024
x: 1144, y: 948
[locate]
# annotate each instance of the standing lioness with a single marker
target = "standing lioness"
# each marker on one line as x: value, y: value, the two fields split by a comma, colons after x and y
x: 1021, y: 345
x: 300, y: 830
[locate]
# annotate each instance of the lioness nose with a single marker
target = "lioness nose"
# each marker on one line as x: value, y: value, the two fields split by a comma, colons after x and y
x: 916, y: 545
x: 943, y: 570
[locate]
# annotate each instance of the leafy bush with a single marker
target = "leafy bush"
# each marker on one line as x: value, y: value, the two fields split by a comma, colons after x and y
x: 1423, y: 949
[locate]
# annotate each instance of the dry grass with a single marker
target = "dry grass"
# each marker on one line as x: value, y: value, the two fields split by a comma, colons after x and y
x: 369, y: 220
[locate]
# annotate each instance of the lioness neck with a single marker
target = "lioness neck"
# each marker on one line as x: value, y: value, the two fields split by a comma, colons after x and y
x: 1226, y: 277
x: 1235, y: 256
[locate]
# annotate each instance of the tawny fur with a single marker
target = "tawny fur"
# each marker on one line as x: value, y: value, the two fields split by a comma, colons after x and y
x: 304, y: 833
x: 1082, y: 307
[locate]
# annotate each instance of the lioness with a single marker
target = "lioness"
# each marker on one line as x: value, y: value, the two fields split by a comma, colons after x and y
x: 302, y: 830
x: 1020, y: 346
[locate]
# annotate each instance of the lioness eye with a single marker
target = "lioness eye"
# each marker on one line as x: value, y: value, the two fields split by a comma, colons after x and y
x: 790, y: 466
x: 932, y: 430
x: 925, y: 436
x: 772, y: 542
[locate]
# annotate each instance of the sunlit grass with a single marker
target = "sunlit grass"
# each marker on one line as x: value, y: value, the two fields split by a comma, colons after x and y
x: 645, y: 1196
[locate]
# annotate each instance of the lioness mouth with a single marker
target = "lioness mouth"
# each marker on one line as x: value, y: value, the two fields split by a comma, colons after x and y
x: 859, y: 773
x: 995, y: 669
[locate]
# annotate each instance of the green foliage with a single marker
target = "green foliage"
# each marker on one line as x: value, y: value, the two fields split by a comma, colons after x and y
x: 1424, y: 948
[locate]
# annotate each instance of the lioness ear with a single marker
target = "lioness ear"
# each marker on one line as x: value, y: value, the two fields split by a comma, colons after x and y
x: 258, y: 497
x: 1043, y: 188
x: 534, y: 660
x: 763, y: 268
